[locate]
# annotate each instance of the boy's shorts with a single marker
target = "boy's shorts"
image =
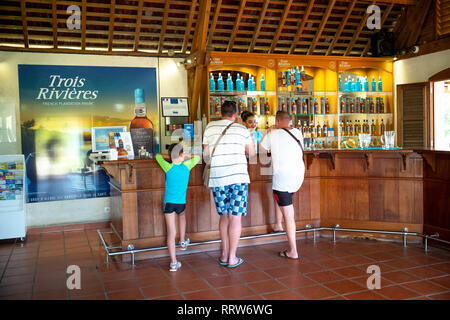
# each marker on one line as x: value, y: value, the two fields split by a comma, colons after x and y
x: 177, y: 207
x: 283, y: 198
x: 231, y: 199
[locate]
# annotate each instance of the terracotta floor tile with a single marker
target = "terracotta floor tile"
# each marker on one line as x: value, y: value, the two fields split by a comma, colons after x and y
x: 442, y: 281
x: 192, y: 285
x: 27, y: 270
x: 211, y: 271
x: 159, y: 291
x: 324, y: 276
x: 268, y: 264
x: 344, y: 286
x: 349, y: 272
x: 171, y: 297
x: 98, y: 296
x: 59, y: 294
x: 425, y: 287
x: 332, y: 263
x: 283, y: 295
x: 362, y: 281
x: 380, y: 256
x: 296, y: 281
x: 20, y: 279
x: 440, y: 296
x: 315, y: 292
x: 280, y: 272
x: 21, y: 288
x: 152, y: 280
x: 266, y: 286
x: 236, y: 292
x: 399, y: 276
x: 116, y: 275
x: 425, y: 272
x: 111, y: 286
x: 365, y: 295
x: 444, y: 267
x: 129, y: 294
x: 245, y: 267
x: 401, y: 263
x: 203, y: 295
x: 309, y: 267
x: 397, y: 292
x: 226, y: 281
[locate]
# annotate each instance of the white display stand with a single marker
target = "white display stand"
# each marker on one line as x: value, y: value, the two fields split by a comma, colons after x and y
x: 12, y: 197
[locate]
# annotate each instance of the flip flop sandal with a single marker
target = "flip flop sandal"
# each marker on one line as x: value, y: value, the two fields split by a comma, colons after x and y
x: 222, y: 263
x: 240, y: 261
x: 277, y: 231
x: 175, y: 266
x: 283, y: 254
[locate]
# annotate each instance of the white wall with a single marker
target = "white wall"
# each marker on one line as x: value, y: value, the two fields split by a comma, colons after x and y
x: 172, y: 81
x: 421, y: 68
x: 418, y: 69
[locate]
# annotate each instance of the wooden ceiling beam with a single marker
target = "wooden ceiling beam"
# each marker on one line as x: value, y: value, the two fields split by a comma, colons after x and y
x: 236, y: 25
x: 280, y: 27
x: 23, y: 10
x: 54, y: 24
x: 321, y: 26
x: 341, y: 27
x: 112, y: 9
x: 258, y: 26
x: 214, y: 22
x: 138, y: 26
x: 413, y: 31
x: 301, y: 27
x: 164, y: 26
x: 358, y: 31
x: 189, y: 26
x: 383, y: 20
x: 83, y: 24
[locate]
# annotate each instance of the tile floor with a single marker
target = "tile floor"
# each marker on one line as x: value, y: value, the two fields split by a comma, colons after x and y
x: 37, y: 270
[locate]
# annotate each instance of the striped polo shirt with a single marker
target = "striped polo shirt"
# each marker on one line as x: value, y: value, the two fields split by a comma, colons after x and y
x: 229, y: 163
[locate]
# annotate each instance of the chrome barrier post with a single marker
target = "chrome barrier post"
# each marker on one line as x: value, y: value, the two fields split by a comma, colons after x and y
x: 334, y: 232
x: 131, y: 249
x: 405, y: 232
x: 426, y: 243
x: 308, y: 226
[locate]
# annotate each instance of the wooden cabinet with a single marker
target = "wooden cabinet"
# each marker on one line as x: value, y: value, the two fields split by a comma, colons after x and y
x: 375, y: 189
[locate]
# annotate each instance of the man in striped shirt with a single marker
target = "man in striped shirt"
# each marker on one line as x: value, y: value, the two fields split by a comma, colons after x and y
x: 229, y: 178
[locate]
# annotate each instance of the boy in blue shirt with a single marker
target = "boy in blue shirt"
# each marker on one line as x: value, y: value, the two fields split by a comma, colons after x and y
x: 177, y: 178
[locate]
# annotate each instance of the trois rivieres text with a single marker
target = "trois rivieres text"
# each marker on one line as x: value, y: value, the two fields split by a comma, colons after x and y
x: 66, y: 89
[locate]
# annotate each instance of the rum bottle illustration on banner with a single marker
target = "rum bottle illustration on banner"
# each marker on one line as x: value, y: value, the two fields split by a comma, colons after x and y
x: 141, y: 128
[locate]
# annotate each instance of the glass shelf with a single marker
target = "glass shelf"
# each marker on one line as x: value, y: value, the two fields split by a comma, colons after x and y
x: 367, y: 93
x: 241, y: 93
x: 305, y: 93
x: 365, y: 114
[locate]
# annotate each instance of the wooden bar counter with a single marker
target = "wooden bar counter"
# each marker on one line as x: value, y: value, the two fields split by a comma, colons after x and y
x: 370, y: 189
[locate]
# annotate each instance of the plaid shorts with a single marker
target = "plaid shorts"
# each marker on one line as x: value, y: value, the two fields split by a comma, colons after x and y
x: 231, y: 199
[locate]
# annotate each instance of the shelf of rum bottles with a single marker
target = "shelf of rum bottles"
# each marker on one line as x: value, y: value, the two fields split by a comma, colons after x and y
x: 321, y: 114
x: 299, y: 93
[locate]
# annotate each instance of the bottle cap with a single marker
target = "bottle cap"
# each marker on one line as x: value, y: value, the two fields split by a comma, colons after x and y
x: 138, y: 95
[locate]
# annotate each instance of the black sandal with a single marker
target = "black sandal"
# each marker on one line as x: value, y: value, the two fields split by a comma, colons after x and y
x: 283, y: 254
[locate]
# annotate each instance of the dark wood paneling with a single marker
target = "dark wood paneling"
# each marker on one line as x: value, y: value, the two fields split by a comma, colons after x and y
x: 378, y: 188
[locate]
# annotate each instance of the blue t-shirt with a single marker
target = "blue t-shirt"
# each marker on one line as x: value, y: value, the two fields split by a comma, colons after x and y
x: 177, y: 178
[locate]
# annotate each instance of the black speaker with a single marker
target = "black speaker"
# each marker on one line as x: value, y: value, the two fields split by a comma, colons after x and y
x: 382, y: 44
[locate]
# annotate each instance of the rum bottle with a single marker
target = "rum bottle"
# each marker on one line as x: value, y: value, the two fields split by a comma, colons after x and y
x: 381, y: 106
x: 372, y: 106
x: 121, y: 152
x: 327, y: 106
x: 382, y: 127
x: 141, y: 128
x: 325, y: 129
x: 373, y: 128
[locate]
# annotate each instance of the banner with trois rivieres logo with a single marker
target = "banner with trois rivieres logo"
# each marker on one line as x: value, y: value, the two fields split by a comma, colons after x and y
x: 58, y: 107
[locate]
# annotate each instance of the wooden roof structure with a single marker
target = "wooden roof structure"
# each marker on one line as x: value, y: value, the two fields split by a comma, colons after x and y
x: 167, y: 28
